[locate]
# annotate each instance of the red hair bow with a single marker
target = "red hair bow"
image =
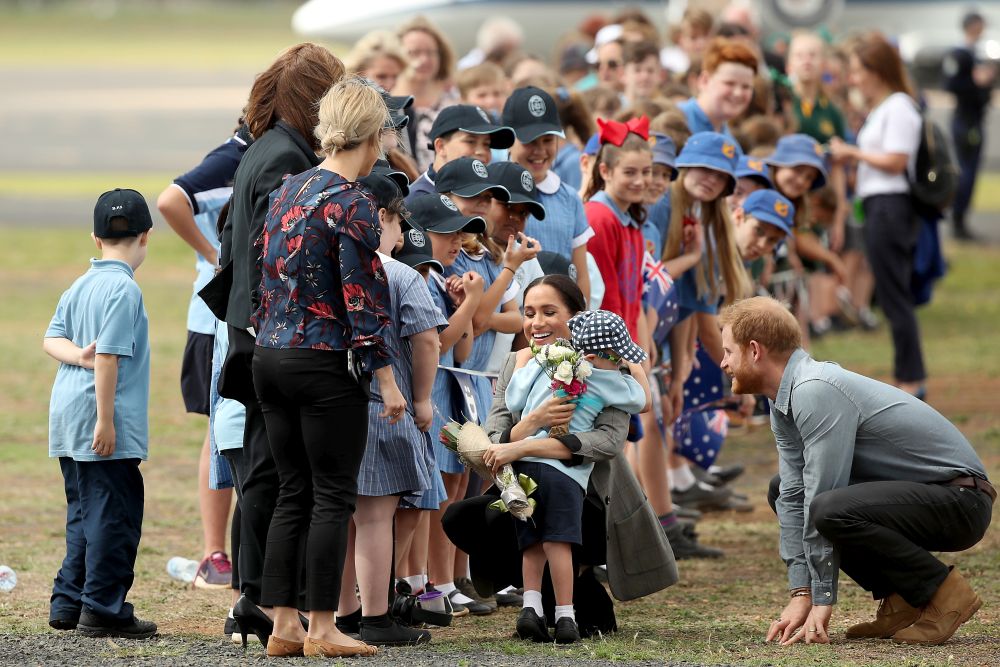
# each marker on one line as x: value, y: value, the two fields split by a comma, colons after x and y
x: 613, y: 132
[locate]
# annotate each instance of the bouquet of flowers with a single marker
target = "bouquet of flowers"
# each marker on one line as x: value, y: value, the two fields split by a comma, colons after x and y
x: 470, y: 442
x: 567, y: 369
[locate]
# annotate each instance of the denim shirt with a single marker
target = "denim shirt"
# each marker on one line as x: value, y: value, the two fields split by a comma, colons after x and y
x: 834, y: 428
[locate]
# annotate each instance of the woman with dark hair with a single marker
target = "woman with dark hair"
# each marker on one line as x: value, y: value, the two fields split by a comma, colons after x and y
x: 886, y: 153
x: 281, y: 113
x: 619, y: 527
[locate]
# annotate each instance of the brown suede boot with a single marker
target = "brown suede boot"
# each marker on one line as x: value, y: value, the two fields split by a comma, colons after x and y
x: 953, y: 603
x: 893, y: 614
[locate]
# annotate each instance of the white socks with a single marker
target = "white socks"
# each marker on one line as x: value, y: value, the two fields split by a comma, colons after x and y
x: 533, y: 599
x: 562, y: 611
x: 457, y: 597
x: 416, y: 581
x: 681, y: 479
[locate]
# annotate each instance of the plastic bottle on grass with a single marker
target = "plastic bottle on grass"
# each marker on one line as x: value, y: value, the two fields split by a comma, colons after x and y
x: 8, y: 579
x: 182, y: 569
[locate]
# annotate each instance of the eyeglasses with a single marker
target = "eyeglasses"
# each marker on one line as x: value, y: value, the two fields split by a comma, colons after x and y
x: 609, y: 64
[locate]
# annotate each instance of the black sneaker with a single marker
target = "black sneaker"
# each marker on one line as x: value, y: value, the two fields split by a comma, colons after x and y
x: 703, y: 497
x: 566, y: 631
x: 63, y: 623
x: 92, y: 625
x: 726, y: 473
x: 465, y: 586
x: 511, y: 599
x: 473, y: 607
x: 532, y: 626
x: 685, y: 544
x: 386, y: 632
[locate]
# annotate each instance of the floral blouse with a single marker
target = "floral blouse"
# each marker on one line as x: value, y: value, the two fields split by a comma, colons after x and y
x: 322, y: 286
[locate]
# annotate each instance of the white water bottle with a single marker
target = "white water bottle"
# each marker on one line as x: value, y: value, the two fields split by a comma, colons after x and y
x: 8, y: 579
x: 182, y: 569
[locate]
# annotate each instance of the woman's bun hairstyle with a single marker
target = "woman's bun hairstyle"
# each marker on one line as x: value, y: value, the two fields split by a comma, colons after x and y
x: 351, y: 114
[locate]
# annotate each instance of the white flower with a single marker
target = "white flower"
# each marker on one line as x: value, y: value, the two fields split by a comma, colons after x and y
x: 540, y: 358
x: 560, y: 352
x: 584, y: 370
x: 564, y: 372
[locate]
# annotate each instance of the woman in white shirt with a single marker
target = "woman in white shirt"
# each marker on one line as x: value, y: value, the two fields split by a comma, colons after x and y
x: 886, y: 153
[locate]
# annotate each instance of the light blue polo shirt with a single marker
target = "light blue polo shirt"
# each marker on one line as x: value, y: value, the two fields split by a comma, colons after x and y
x: 697, y: 119
x: 104, y: 305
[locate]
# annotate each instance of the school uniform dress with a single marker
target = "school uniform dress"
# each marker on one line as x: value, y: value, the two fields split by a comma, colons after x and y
x: 618, y: 248
x: 104, y: 494
x: 444, y: 393
x: 321, y: 331
x: 892, y: 227
x: 207, y: 188
x: 482, y: 345
x: 564, y: 228
x: 395, y: 460
x: 654, y: 229
x: 688, y: 299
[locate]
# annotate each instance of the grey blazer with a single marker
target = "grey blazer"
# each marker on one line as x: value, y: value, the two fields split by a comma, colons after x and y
x: 640, y: 561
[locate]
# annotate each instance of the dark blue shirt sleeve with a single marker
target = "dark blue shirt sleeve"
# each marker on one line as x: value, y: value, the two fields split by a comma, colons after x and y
x: 215, y: 171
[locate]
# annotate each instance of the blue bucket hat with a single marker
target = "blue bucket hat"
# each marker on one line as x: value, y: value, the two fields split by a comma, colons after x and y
x: 754, y: 167
x: 711, y: 150
x: 772, y: 207
x: 664, y: 151
x: 794, y: 150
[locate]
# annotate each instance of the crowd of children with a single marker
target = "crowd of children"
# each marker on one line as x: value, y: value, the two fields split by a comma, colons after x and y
x: 662, y: 180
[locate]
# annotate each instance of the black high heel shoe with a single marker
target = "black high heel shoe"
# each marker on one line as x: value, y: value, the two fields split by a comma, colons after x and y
x: 250, y: 618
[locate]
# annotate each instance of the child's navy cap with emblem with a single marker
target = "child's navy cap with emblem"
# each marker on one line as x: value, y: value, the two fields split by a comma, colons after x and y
x: 520, y: 184
x: 711, y: 150
x: 772, y: 207
x: 532, y: 113
x: 470, y: 118
x: 468, y: 177
x: 664, y: 152
x: 794, y: 150
x: 121, y: 203
x: 595, y: 331
x: 754, y: 167
x: 439, y: 214
x: 416, y: 250
x: 384, y: 184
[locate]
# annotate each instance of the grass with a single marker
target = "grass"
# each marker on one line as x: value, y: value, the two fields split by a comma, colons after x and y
x: 715, y: 615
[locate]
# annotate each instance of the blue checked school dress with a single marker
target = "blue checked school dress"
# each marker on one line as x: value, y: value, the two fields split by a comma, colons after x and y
x: 445, y: 391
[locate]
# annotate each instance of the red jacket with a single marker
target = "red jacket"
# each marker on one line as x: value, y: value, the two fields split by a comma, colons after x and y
x: 618, y: 251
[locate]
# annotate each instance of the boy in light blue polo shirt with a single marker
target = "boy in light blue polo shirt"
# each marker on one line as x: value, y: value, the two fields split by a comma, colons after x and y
x: 98, y: 424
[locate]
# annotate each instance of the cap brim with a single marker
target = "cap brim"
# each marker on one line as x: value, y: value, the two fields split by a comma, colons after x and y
x: 770, y: 219
x: 499, y: 191
x: 633, y: 353
x: 529, y: 133
x: 819, y: 166
x: 414, y: 260
x: 500, y: 137
x: 714, y: 167
x: 756, y: 175
x: 536, y: 207
x: 458, y: 223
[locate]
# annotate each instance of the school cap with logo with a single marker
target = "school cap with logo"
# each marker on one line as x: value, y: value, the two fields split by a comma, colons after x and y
x: 794, y: 150
x: 711, y: 150
x: 532, y: 113
x: 596, y: 331
x: 470, y: 118
x: 121, y: 203
x: 383, y: 186
x: 772, y: 207
x: 439, y: 214
x: 416, y: 250
x: 664, y: 151
x: 754, y: 167
x: 468, y: 177
x: 398, y: 177
x: 520, y: 184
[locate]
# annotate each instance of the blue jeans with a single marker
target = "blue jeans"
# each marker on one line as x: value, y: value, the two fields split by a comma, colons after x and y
x: 104, y: 503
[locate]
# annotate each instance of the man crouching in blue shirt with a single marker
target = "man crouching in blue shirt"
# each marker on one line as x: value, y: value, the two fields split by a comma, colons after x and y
x: 98, y: 424
x: 871, y: 480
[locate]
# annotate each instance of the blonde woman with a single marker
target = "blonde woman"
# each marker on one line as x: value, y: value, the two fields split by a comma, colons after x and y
x: 321, y: 329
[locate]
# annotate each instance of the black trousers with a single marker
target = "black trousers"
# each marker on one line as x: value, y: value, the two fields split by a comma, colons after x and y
x: 252, y: 467
x: 884, y: 532
x: 317, y: 424
x: 104, y: 504
x: 891, y: 231
x: 968, y: 137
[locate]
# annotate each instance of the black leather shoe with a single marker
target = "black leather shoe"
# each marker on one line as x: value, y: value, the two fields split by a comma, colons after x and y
x: 532, y: 626
x: 386, y: 632
x: 566, y: 631
x: 685, y: 544
x: 509, y: 600
x: 92, y: 625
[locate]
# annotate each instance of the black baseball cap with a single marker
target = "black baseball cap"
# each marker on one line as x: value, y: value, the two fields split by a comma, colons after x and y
x: 520, y: 184
x: 121, y: 203
x: 416, y: 250
x: 398, y: 105
x: 470, y: 118
x: 383, y: 187
x: 439, y: 214
x: 398, y: 177
x: 532, y: 113
x: 468, y: 177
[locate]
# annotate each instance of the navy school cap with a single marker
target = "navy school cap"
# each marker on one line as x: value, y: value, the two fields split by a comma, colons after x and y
x: 532, y: 113
x: 383, y: 187
x: 470, y: 118
x: 439, y: 214
x: 121, y: 203
x: 417, y: 251
x: 468, y: 177
x: 398, y: 106
x: 772, y: 207
x: 382, y: 167
x: 520, y: 184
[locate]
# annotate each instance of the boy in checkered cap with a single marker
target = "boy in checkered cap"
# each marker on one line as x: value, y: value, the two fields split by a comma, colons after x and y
x: 557, y: 521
